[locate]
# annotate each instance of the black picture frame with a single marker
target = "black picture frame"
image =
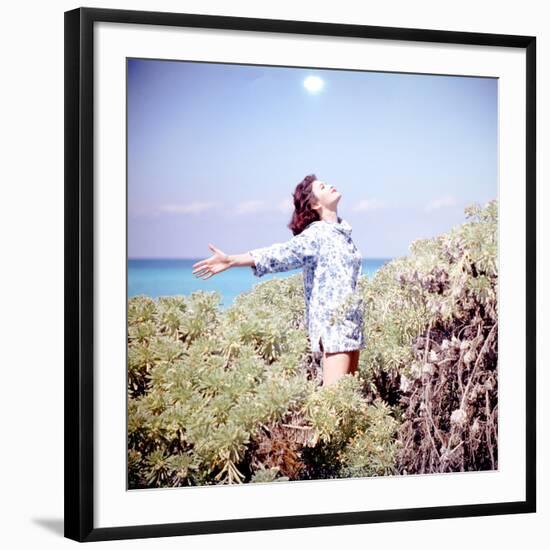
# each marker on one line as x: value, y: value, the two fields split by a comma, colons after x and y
x: 79, y: 272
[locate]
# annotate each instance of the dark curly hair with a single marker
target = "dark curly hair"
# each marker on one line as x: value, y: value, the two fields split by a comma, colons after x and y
x: 303, y: 214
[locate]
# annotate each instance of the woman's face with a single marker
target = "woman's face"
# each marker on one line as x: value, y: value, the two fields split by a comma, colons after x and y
x: 326, y: 194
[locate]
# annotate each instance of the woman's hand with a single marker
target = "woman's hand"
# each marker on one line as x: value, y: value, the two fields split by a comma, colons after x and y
x: 217, y: 263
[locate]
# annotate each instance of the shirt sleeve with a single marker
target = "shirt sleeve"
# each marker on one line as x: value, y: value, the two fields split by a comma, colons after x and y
x: 286, y: 256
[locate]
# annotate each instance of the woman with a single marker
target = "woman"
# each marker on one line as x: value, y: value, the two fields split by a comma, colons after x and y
x: 331, y: 263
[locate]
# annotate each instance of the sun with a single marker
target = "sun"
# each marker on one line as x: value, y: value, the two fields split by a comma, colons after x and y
x: 313, y: 84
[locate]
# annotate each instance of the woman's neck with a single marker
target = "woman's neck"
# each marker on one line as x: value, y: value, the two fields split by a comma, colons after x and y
x: 331, y: 217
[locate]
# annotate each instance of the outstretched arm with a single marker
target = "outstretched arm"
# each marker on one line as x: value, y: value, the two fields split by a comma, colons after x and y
x: 218, y: 262
x: 285, y: 256
x: 241, y: 260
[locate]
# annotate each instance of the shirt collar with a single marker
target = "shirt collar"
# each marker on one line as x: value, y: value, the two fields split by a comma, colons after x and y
x: 344, y: 227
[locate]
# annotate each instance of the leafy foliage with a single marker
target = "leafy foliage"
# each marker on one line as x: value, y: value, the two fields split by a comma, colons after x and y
x: 234, y: 396
x: 450, y: 388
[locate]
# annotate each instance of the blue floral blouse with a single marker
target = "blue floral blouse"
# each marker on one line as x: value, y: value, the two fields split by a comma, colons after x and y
x: 331, y: 268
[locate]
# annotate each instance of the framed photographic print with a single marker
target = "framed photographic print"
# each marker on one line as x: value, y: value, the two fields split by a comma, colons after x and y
x: 299, y: 274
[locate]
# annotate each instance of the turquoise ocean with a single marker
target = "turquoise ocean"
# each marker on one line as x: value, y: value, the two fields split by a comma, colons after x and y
x: 171, y: 277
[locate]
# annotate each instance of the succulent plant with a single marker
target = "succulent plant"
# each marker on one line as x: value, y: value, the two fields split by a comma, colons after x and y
x: 234, y: 396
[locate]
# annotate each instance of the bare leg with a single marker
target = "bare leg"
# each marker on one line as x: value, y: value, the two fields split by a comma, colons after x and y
x: 336, y: 364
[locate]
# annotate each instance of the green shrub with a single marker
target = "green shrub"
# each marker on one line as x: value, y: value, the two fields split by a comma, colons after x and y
x: 231, y: 396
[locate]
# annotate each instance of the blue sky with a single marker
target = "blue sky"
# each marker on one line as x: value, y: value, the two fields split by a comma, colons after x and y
x: 216, y: 150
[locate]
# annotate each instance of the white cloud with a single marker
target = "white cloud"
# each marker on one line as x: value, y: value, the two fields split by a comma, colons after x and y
x: 251, y: 207
x: 286, y: 206
x: 187, y: 208
x: 442, y: 202
x: 368, y: 204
